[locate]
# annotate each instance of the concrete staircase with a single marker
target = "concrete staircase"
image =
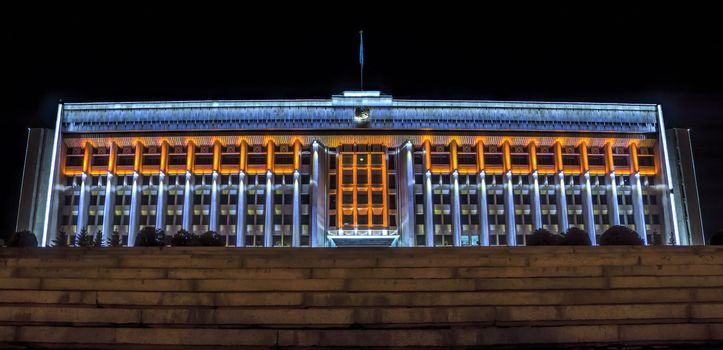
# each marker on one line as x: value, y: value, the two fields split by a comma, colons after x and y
x: 360, y: 297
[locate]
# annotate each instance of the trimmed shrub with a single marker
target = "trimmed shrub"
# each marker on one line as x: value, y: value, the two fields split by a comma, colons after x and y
x: 576, y: 236
x: 543, y: 237
x: 717, y: 238
x: 620, y: 235
x: 61, y: 239
x: 98, y: 241
x: 183, y: 238
x: 211, y: 239
x: 150, y: 237
x: 22, y: 239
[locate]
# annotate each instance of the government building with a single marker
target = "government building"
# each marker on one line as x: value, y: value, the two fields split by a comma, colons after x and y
x: 360, y: 169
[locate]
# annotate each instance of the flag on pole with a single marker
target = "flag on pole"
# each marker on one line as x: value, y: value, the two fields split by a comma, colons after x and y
x: 361, y: 47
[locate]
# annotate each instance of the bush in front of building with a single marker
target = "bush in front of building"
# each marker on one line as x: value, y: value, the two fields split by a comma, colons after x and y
x: 150, y: 237
x: 83, y: 239
x: 183, y: 238
x: 211, y: 239
x: 115, y: 239
x: 22, y: 239
x: 61, y: 239
x: 543, y: 237
x: 576, y: 236
x: 716, y: 238
x: 620, y: 235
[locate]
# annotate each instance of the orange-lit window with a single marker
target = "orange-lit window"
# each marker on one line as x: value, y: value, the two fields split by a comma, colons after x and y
x: 493, y: 159
x: 362, y: 188
x: 519, y: 159
x: 571, y: 159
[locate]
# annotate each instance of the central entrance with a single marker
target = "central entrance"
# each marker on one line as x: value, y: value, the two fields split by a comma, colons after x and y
x: 362, y: 207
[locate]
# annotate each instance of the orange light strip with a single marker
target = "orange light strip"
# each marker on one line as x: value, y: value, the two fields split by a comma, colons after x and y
x: 609, y: 164
x: 428, y: 154
x: 558, y: 157
x: 453, y: 155
x: 532, y: 147
x: 385, y: 215
x: 480, y: 156
x: 583, y: 157
x: 506, y: 157
x: 634, y: 166
x: 217, y: 156
x: 164, y: 156
x: 112, y: 155
x: 243, y: 153
x: 190, y: 156
x: 297, y: 155
x: 87, y: 154
x: 138, y: 161
x: 270, y: 155
x: 339, y: 190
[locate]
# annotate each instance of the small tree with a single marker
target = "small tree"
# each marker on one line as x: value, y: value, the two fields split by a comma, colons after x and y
x: 150, y: 237
x: 542, y: 237
x: 183, y: 238
x: 211, y: 239
x: 576, y: 236
x: 98, y: 241
x: 620, y: 235
x: 83, y: 239
x: 115, y: 239
x: 61, y: 239
x: 22, y: 239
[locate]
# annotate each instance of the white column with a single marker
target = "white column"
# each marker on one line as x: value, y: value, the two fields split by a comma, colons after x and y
x: 510, y: 209
x: 318, y: 195
x: 269, y: 210
x: 406, y: 192
x: 161, y: 204
x: 108, y: 206
x: 188, y: 202
x: 241, y: 210
x: 296, y: 208
x: 638, y: 209
x: 535, y: 200
x: 482, y: 210
x: 612, y: 198
x: 560, y: 187
x: 83, y: 203
x: 133, y: 225
x: 213, y: 220
x: 428, y: 210
x: 587, y: 207
x: 456, y: 212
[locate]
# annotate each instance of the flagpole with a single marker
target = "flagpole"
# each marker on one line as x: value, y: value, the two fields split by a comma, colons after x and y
x: 361, y: 60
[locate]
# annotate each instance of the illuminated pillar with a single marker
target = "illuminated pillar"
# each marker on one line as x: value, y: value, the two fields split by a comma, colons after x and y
x: 269, y: 210
x: 215, y: 183
x: 612, y: 188
x: 135, y: 214
x: 318, y: 195
x: 241, y: 210
x: 428, y: 200
x: 587, y: 207
x: 560, y: 190
x: 110, y: 184
x: 535, y: 206
x: 296, y: 208
x: 509, y: 196
x: 161, y: 205
x: 482, y: 210
x: 188, y: 188
x: 85, y: 184
x: 638, y: 208
x: 406, y: 192
x: 456, y: 212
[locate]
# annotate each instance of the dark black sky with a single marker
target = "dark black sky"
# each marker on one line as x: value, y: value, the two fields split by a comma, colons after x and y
x: 672, y: 55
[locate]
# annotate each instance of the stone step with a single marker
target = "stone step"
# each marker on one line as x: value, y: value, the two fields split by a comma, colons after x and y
x: 374, y: 317
x: 663, y: 333
x: 364, y: 272
x: 361, y: 284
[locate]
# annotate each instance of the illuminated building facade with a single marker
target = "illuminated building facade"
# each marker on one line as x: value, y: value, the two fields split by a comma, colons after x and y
x: 360, y: 168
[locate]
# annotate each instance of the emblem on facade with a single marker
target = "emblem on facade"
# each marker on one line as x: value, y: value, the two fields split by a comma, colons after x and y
x: 362, y: 116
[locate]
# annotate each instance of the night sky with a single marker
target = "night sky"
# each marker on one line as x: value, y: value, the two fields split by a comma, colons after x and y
x: 671, y: 55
